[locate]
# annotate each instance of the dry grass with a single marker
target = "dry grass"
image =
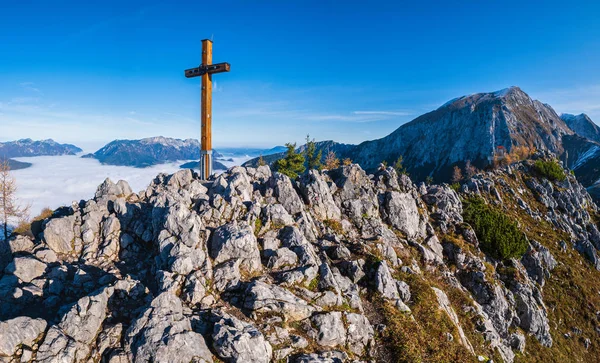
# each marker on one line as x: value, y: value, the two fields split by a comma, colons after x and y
x: 31, y: 228
x: 424, y: 338
x: 571, y: 294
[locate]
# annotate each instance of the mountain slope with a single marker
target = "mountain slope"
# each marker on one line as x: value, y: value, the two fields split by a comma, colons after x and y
x: 582, y: 125
x: 16, y: 165
x: 338, y: 266
x: 467, y: 128
x: 29, y: 147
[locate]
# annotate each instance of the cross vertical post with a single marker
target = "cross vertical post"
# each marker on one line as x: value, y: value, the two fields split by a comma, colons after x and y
x: 205, y: 71
x: 206, y: 162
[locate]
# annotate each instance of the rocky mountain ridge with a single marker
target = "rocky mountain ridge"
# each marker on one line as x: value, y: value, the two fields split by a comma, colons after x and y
x: 583, y: 125
x: 157, y: 150
x: 29, y: 147
x: 146, y: 152
x: 475, y: 128
x: 336, y: 266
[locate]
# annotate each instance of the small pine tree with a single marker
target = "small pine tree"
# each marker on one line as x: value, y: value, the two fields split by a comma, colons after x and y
x: 399, y: 167
x: 313, y: 158
x: 550, y: 169
x: 292, y: 164
x: 261, y: 161
x: 331, y: 161
x: 457, y: 175
x: 498, y: 234
x: 347, y: 161
x: 429, y: 180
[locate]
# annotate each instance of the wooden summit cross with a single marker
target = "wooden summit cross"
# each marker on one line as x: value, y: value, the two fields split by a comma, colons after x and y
x: 206, y: 70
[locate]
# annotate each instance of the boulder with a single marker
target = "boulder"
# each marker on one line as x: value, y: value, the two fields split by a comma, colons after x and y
x: 59, y: 234
x: 330, y: 329
x: 445, y: 305
x: 360, y: 333
x: 26, y: 268
x: 18, y: 333
x: 286, y: 194
x: 237, y: 341
x: 260, y: 297
x: 236, y: 241
x: 402, y: 213
x: 318, y: 196
x: 164, y: 334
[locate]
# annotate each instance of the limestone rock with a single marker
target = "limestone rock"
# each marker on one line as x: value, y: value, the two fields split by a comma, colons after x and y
x: 264, y: 298
x: 402, y: 212
x: 26, y: 268
x: 17, y: 332
x: 237, y: 341
x: 233, y: 241
x: 330, y: 330
x: 164, y: 334
x: 59, y: 234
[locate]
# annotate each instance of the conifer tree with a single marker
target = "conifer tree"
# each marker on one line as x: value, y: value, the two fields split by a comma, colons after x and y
x: 292, y: 164
x: 313, y: 158
x: 399, y: 167
x: 261, y: 161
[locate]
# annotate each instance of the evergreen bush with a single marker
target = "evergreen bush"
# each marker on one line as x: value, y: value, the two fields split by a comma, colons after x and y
x: 499, y: 236
x: 550, y: 169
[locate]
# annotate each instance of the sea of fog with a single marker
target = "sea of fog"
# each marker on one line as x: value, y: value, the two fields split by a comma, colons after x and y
x: 54, y: 181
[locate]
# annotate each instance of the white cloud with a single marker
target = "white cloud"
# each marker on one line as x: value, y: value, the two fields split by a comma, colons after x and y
x: 55, y: 181
x: 29, y: 86
x: 385, y: 113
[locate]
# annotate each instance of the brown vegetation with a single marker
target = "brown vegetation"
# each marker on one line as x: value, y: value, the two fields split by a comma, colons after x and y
x: 331, y: 161
x: 9, y: 207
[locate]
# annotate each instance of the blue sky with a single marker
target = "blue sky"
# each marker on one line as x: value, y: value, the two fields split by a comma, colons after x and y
x: 90, y: 72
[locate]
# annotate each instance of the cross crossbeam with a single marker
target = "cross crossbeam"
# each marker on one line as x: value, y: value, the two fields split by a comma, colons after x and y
x: 206, y: 70
x: 210, y: 69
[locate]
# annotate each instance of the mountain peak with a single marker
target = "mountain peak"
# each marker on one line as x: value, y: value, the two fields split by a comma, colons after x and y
x: 583, y: 125
x: 513, y: 90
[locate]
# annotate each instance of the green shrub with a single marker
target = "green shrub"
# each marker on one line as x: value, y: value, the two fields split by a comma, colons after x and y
x: 499, y: 236
x: 292, y: 164
x: 549, y: 169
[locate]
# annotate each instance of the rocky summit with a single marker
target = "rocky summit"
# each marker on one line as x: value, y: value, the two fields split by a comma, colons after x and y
x: 337, y: 266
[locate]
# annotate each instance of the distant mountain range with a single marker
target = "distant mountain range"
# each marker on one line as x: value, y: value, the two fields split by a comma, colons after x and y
x: 146, y: 152
x: 475, y: 128
x: 135, y: 153
x: 29, y: 147
x: 158, y: 150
